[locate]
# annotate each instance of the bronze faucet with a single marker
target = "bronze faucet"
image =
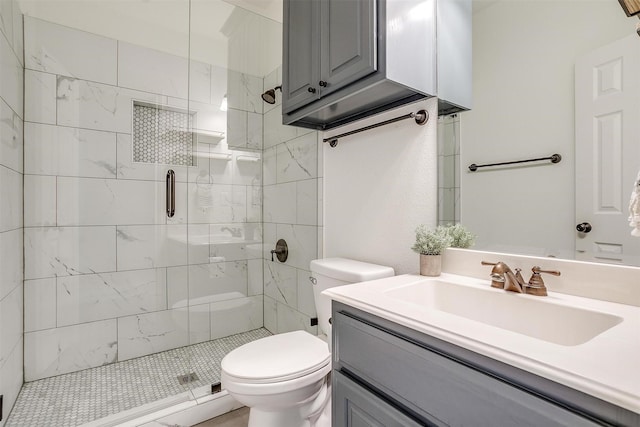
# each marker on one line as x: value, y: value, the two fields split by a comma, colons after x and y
x: 502, y: 277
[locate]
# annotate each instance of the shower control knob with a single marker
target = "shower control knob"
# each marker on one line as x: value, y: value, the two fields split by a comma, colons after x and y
x: 312, y: 89
x: 583, y: 227
x: 322, y: 83
x: 281, y: 251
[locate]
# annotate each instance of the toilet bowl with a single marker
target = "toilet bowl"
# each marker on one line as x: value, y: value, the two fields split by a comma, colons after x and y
x: 284, y: 378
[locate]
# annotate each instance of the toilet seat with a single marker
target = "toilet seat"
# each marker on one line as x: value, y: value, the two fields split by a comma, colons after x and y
x: 277, y: 364
x: 277, y: 358
x: 274, y: 389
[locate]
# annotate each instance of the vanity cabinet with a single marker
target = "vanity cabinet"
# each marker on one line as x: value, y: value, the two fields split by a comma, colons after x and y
x: 387, y: 374
x: 344, y: 60
x: 361, y: 407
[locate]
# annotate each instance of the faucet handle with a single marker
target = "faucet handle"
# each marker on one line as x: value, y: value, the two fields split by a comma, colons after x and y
x: 536, y: 284
x: 537, y: 269
x: 281, y: 251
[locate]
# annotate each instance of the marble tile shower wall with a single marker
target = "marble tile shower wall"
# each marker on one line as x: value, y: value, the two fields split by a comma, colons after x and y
x: 448, y: 169
x: 292, y: 180
x: 108, y: 277
x: 11, y: 223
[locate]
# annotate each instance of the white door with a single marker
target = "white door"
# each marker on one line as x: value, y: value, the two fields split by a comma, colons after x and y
x: 607, y: 150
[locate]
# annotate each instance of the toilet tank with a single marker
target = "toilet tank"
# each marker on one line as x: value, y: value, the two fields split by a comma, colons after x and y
x: 330, y: 272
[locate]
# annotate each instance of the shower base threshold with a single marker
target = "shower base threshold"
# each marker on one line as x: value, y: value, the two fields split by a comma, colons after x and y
x: 182, y: 410
x: 88, y: 396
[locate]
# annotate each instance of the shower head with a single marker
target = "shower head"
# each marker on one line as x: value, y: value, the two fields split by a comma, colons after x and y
x: 270, y: 96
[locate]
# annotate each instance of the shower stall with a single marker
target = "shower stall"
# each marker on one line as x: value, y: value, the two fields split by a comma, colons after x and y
x: 144, y: 182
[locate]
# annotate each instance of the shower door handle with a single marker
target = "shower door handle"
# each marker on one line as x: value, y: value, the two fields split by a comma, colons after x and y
x: 171, y: 193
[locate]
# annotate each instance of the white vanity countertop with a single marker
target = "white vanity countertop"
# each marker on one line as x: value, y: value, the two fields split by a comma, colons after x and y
x: 607, y: 366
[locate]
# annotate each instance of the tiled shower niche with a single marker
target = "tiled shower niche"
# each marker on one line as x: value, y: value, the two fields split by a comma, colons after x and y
x: 163, y: 135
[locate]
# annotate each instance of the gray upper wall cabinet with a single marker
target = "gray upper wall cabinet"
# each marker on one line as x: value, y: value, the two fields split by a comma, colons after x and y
x: 325, y: 61
x: 300, y: 42
x: 348, y: 48
x: 348, y: 59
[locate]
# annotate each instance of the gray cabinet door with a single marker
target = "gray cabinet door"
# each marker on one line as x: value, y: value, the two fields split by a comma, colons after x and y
x: 354, y: 406
x: 349, y: 42
x: 301, y: 53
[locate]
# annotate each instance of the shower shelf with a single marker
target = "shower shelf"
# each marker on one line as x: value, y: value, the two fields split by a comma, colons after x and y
x: 219, y: 156
x: 248, y: 159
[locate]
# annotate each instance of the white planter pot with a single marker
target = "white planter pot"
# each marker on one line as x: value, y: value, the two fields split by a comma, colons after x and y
x: 430, y: 265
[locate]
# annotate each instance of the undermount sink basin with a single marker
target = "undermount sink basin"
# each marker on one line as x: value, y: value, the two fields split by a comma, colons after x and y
x: 536, y: 317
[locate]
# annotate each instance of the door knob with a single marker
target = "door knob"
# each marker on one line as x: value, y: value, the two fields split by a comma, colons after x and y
x: 583, y: 227
x: 322, y: 83
x: 312, y: 89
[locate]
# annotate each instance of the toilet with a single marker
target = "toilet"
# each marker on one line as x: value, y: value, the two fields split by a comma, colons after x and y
x: 283, y: 378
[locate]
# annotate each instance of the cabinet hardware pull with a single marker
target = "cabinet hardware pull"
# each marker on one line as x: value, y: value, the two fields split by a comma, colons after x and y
x: 312, y: 89
x: 322, y: 83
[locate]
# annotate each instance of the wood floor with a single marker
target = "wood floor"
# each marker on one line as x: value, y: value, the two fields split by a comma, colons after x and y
x: 237, y: 418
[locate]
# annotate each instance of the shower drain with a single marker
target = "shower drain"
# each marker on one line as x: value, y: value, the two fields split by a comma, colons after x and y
x: 187, y: 378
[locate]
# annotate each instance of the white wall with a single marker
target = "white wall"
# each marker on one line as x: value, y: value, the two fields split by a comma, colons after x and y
x: 290, y: 187
x: 11, y: 223
x: 171, y: 27
x: 159, y: 25
x: 271, y: 9
x: 378, y: 186
x: 523, y: 94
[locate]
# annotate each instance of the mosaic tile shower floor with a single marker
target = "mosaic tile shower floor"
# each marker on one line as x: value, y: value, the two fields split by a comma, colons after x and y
x: 81, y: 397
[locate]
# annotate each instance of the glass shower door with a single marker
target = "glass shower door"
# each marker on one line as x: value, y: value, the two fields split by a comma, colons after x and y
x: 232, y: 51
x: 143, y: 175
x: 107, y: 118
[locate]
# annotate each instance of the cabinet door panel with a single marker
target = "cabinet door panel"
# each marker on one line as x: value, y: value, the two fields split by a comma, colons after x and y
x: 433, y: 385
x: 355, y: 406
x: 349, y: 42
x: 301, y: 53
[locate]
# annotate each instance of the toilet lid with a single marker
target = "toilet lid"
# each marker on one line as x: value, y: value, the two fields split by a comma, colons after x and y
x: 277, y: 358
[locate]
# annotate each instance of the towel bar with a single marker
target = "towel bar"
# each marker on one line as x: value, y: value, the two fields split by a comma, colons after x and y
x: 555, y: 158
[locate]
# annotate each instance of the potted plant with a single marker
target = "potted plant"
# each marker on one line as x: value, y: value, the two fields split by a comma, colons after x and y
x: 430, y: 244
x: 460, y: 236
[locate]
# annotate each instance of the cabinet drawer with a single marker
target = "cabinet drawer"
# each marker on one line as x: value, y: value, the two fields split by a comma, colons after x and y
x: 353, y: 405
x: 435, y: 386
